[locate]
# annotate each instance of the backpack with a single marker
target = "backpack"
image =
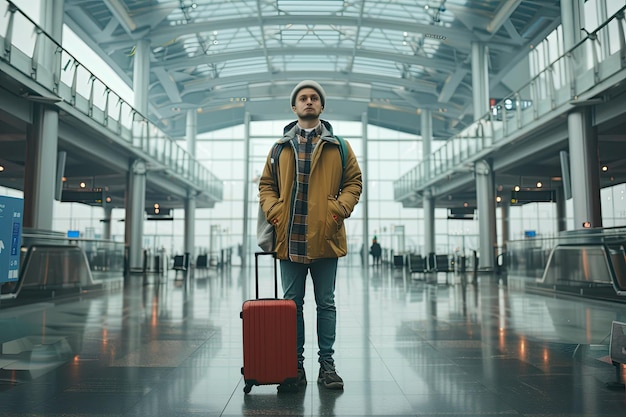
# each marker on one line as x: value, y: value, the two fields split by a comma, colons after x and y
x: 278, y: 147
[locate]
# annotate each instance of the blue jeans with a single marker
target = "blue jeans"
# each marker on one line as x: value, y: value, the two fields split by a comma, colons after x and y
x: 323, y: 273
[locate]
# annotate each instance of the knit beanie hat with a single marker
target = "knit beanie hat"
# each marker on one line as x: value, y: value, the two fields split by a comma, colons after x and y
x: 308, y: 84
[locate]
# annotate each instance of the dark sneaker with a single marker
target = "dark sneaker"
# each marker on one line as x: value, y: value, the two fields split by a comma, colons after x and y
x: 328, y: 377
x: 301, y: 378
x: 294, y: 386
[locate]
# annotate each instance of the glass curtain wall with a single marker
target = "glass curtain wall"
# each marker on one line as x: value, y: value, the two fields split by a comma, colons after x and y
x: 391, y: 154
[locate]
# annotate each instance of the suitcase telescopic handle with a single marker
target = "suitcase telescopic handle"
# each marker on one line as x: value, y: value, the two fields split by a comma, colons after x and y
x: 256, y: 272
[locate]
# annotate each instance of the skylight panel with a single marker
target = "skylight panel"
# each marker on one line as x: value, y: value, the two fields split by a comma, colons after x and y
x: 244, y: 66
x: 375, y: 67
x: 309, y: 35
x: 216, y: 10
x: 311, y: 63
x: 312, y: 7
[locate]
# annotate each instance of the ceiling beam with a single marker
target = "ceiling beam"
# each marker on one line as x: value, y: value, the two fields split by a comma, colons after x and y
x: 207, y: 83
x: 503, y: 14
x: 513, y: 33
x: 452, y: 83
x: 454, y: 36
x: 169, y: 85
x: 119, y: 10
x: 439, y: 64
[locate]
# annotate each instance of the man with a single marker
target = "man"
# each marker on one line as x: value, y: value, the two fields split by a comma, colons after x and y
x: 315, y: 193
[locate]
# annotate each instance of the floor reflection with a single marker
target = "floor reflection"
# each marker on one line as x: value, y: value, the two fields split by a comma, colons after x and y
x: 407, y: 345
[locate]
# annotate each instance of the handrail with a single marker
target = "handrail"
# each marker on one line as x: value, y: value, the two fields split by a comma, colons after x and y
x: 534, y: 258
x: 133, y: 129
x: 490, y: 131
x: 605, y: 272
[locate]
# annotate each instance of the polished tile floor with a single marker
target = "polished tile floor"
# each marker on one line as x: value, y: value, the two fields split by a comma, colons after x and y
x: 406, y: 346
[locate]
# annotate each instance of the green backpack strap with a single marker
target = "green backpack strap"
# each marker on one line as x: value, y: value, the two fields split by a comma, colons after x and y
x: 343, y: 150
x: 275, y: 153
x: 278, y: 147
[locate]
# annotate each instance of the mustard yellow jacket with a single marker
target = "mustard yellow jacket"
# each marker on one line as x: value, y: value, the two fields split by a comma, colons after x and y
x: 327, y: 209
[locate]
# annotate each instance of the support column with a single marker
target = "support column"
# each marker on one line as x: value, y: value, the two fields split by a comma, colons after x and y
x: 40, y: 175
x: 58, y: 191
x: 572, y: 21
x: 505, y: 210
x: 428, y: 202
x: 106, y: 222
x: 480, y: 79
x: 190, y: 202
x: 136, y: 193
x: 485, y: 189
x: 427, y: 139
x: 364, y: 202
x: 190, y: 225
x: 603, y: 16
x: 51, y: 18
x: 486, y: 204
x: 583, y: 153
x: 141, y: 76
x: 429, y: 222
x: 135, y: 206
x: 191, y: 131
x: 246, y: 187
x: 561, y: 212
x: 583, y: 140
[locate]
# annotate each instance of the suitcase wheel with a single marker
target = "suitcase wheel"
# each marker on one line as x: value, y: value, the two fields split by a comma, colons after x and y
x: 247, y: 388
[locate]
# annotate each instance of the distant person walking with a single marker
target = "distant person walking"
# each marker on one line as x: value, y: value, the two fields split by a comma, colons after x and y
x: 376, y: 251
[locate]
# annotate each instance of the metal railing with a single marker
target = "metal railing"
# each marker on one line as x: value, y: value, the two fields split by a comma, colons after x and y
x: 26, y: 47
x: 50, y: 262
x: 562, y: 82
x: 576, y: 258
x: 102, y: 255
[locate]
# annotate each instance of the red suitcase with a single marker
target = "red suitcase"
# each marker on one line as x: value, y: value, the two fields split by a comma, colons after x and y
x: 269, y: 338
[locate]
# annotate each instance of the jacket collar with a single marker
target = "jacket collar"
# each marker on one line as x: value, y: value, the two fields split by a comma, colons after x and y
x: 289, y: 132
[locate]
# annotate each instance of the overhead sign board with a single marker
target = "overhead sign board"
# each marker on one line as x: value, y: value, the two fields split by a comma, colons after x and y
x: 532, y: 196
x: 461, y: 213
x: 159, y: 213
x: 93, y: 197
x: 11, y: 210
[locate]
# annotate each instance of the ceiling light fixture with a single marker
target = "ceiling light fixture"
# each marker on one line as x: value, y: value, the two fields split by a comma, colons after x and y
x: 435, y: 36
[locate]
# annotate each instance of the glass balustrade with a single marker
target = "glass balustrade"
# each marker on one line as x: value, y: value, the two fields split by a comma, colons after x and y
x: 25, y: 46
x: 565, y: 80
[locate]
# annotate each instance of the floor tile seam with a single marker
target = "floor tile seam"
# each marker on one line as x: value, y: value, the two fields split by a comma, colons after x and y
x: 232, y: 395
x: 387, y: 368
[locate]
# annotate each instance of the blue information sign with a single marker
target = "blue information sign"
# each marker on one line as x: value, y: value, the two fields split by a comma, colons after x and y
x: 10, y: 237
